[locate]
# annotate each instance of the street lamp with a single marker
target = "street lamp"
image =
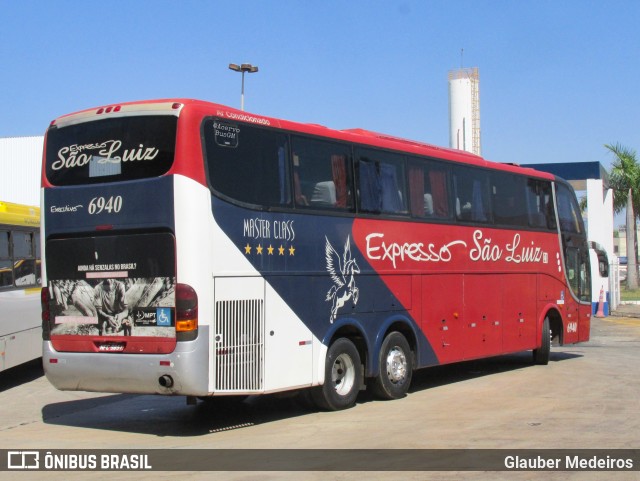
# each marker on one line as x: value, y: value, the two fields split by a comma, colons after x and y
x: 245, y: 67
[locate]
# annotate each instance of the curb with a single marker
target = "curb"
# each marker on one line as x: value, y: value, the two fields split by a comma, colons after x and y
x: 635, y: 315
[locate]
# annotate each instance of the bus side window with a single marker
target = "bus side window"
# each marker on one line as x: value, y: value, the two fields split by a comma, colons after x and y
x: 253, y: 168
x: 471, y: 189
x: 24, y: 263
x: 25, y: 272
x: 572, y: 266
x: 540, y: 207
x: 22, y: 244
x: 6, y: 267
x: 585, y: 276
x: 509, y: 205
x: 381, y: 182
x: 568, y: 211
x: 603, y: 259
x: 321, y: 174
x: 428, y: 190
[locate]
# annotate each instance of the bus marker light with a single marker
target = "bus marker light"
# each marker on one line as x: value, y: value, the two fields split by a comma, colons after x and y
x: 165, y: 363
x: 44, y: 304
x: 186, y: 308
x: 53, y: 361
x: 187, y: 325
x: 104, y: 227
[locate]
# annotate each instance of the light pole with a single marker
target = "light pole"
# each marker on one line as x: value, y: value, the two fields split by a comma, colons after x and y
x: 245, y: 67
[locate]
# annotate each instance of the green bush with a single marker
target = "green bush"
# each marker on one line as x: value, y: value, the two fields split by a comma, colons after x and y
x: 629, y: 295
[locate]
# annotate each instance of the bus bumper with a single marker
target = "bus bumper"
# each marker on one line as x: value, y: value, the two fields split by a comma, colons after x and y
x: 185, y: 371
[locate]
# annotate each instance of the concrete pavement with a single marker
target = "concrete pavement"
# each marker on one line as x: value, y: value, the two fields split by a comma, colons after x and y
x: 587, y: 397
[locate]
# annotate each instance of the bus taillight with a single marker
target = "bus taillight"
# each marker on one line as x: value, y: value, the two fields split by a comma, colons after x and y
x: 186, y: 313
x: 46, y: 314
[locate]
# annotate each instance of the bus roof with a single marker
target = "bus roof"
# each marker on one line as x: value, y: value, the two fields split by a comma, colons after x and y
x: 180, y: 106
x: 18, y: 214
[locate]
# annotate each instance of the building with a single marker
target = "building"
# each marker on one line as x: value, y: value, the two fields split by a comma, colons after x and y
x: 21, y: 160
x: 620, y: 240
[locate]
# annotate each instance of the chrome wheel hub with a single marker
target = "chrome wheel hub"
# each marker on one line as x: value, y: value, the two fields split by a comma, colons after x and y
x: 396, y: 365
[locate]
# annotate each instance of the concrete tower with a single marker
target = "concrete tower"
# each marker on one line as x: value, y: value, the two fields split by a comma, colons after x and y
x: 464, y: 110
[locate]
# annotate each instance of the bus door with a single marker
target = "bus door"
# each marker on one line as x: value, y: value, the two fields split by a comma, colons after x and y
x: 572, y: 306
x: 577, y: 266
x: 578, y: 310
x: 584, y: 315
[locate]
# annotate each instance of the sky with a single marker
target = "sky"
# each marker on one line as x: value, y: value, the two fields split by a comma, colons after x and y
x: 558, y: 78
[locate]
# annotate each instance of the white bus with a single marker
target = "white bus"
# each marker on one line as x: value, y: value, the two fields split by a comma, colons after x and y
x: 20, y: 322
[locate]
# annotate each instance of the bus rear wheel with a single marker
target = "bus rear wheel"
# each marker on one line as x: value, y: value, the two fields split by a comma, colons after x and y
x: 541, y: 355
x: 396, y: 368
x: 342, y: 377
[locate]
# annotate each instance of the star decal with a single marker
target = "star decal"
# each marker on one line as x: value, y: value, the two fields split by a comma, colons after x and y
x: 260, y: 250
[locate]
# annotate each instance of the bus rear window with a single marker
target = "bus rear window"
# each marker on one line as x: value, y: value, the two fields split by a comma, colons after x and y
x: 113, y: 149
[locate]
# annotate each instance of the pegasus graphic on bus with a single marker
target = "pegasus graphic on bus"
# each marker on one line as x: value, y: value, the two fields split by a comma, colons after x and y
x: 342, y: 274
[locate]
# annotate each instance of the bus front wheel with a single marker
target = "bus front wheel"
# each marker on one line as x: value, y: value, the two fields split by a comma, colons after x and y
x: 396, y: 368
x: 342, y: 377
x: 541, y: 355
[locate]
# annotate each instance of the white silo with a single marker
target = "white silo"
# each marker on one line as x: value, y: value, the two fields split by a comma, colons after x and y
x: 464, y: 110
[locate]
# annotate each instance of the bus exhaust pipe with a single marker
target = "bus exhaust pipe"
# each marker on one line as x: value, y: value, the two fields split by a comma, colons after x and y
x: 166, y: 381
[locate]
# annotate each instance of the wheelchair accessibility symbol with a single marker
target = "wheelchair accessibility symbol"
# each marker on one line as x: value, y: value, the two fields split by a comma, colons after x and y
x: 163, y: 316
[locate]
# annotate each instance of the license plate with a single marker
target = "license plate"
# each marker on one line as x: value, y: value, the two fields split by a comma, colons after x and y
x: 111, y: 347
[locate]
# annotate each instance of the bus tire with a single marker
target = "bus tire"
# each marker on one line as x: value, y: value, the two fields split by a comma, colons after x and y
x: 342, y: 377
x: 396, y: 368
x: 541, y: 355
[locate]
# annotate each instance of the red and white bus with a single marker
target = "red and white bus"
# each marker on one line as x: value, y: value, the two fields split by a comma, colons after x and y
x: 194, y: 249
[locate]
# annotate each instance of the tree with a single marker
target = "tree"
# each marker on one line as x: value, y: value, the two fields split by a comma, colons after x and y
x: 625, y: 181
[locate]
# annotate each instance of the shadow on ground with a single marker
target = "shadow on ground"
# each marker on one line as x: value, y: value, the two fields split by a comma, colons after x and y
x: 170, y: 416
x: 22, y: 374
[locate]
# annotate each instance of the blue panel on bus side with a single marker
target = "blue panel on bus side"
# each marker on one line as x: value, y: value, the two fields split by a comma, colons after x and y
x: 313, y: 263
x: 122, y: 205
